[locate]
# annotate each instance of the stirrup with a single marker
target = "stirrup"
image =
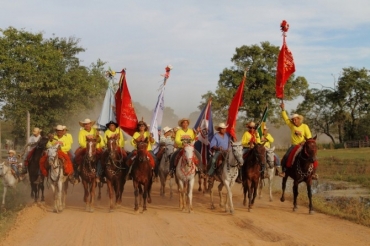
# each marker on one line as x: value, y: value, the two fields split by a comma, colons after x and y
x: 282, y: 174
x: 315, y: 176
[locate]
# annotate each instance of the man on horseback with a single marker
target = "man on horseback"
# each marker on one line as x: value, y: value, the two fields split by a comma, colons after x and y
x: 268, y: 140
x: 188, y: 135
x: 165, y: 139
x: 65, y: 146
x: 299, y: 132
x: 70, y: 139
x: 32, y: 140
x: 13, y: 162
x: 250, y: 137
x: 113, y: 129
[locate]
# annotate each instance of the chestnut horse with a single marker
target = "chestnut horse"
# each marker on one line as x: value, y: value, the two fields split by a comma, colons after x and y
x: 113, y: 162
x: 34, y: 168
x: 301, y: 171
x: 142, y: 174
x: 252, y: 169
x: 88, y: 172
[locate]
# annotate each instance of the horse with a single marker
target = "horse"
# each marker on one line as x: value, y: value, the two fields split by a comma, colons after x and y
x: 113, y: 161
x: 254, y: 163
x: 88, y: 173
x: 185, y: 175
x: 34, y: 168
x: 164, y: 167
x: 301, y: 171
x: 142, y: 174
x: 8, y: 179
x: 269, y: 171
x: 198, y: 145
x: 226, y: 174
x: 59, y: 184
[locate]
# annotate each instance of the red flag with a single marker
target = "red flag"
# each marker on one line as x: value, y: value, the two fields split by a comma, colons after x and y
x: 285, y: 64
x: 234, y: 108
x: 125, y: 112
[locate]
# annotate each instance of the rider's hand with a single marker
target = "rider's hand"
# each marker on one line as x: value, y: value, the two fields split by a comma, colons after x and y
x: 282, y: 106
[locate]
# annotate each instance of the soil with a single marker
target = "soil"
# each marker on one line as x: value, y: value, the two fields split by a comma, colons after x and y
x: 268, y: 223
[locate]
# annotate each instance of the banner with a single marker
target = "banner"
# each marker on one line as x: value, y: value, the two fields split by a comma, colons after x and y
x: 262, y: 123
x: 107, y: 112
x: 156, y: 121
x: 125, y: 112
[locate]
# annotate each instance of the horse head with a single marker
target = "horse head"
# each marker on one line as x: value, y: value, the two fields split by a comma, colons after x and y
x: 142, y: 145
x: 52, y: 154
x: 236, y: 152
x: 112, y: 143
x: 188, y: 155
x: 91, y: 148
x: 270, y: 156
x: 259, y: 152
x: 309, y: 149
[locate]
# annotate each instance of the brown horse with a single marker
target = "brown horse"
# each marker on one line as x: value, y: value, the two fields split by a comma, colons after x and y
x: 34, y: 168
x: 301, y: 171
x: 88, y: 172
x: 113, y: 162
x: 254, y: 163
x: 142, y: 174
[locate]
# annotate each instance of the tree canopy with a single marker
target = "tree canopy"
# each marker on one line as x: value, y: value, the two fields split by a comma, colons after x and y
x: 45, y: 77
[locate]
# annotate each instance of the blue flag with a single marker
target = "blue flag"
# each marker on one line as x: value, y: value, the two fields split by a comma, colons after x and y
x: 107, y: 113
x: 156, y: 121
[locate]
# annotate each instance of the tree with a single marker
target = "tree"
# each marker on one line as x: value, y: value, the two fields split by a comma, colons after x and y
x: 261, y: 62
x: 44, y: 77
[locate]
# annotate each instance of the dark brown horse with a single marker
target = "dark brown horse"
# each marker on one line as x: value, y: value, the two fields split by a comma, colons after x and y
x: 254, y: 163
x: 113, y: 162
x: 88, y: 172
x: 301, y: 171
x: 142, y: 174
x: 34, y: 168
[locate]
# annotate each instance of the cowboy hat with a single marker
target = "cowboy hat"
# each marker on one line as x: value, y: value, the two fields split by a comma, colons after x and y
x: 59, y: 128
x: 265, y: 128
x: 221, y: 125
x: 300, y: 117
x: 36, y: 130
x: 11, y: 151
x: 65, y: 128
x: 86, y: 121
x: 182, y: 120
x: 167, y: 129
x: 110, y: 123
x: 176, y: 128
x: 251, y: 124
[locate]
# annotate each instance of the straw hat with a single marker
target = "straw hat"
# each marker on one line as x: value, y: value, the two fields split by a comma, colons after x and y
x: 59, y: 128
x: 167, y: 129
x: 182, y: 120
x: 221, y: 125
x: 86, y: 121
x: 11, y: 151
x: 36, y: 130
x: 298, y: 116
x: 176, y: 128
x: 251, y: 124
x: 65, y: 128
x: 265, y: 128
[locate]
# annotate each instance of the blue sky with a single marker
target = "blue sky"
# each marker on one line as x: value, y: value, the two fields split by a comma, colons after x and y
x: 198, y: 38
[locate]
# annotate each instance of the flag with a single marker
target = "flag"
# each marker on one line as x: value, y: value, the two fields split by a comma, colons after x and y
x: 285, y: 64
x: 156, y: 121
x: 206, y: 132
x: 236, y: 102
x: 262, y: 123
x: 125, y: 112
x: 107, y: 113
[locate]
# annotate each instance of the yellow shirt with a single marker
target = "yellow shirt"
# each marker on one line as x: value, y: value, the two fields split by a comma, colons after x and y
x: 303, y: 129
x: 64, y: 143
x: 146, y: 135
x: 83, y: 134
x: 109, y: 133
x: 69, y: 136
x: 246, y: 139
x: 181, y: 133
x: 268, y: 139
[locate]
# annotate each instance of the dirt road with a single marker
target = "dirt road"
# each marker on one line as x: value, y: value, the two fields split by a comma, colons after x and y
x: 269, y: 223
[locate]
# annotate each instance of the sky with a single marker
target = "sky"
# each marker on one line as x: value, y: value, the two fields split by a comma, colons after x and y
x: 199, y: 38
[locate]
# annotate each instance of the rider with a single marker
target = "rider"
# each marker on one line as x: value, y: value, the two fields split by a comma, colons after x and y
x: 13, y: 161
x: 87, y: 131
x: 299, y: 132
x: 65, y: 146
x: 70, y: 138
x: 250, y: 137
x: 113, y: 129
x: 268, y: 140
x: 184, y: 133
x: 165, y: 139
x: 32, y: 140
x: 220, y: 142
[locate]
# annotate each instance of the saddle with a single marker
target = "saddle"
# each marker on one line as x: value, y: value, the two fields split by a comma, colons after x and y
x: 292, y: 155
x: 28, y: 158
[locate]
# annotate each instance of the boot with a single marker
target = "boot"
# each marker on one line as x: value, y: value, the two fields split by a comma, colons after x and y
x: 172, y: 172
x: 211, y: 180
x: 280, y: 171
x: 38, y: 180
x: 239, y: 178
x: 314, y: 175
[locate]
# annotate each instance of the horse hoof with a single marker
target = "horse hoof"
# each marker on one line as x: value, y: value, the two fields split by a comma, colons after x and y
x: 213, y: 207
x: 149, y: 200
x: 231, y: 212
x: 282, y: 199
x: 244, y: 203
x: 92, y: 210
x: 111, y: 210
x: 191, y: 211
x: 311, y: 212
x: 295, y: 209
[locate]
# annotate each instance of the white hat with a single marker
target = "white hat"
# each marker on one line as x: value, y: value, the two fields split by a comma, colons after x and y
x: 297, y: 116
x: 251, y: 124
x: 36, y: 130
x: 221, y: 125
x: 59, y: 128
x: 11, y: 151
x: 265, y: 128
x: 65, y: 128
x: 86, y: 121
x: 167, y: 129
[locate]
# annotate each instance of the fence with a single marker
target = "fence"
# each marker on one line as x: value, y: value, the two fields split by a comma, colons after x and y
x: 356, y: 144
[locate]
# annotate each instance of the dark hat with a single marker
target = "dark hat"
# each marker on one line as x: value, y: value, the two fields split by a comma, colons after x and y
x: 111, y: 122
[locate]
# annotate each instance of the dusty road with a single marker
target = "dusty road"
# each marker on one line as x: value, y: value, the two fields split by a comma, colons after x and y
x: 269, y: 223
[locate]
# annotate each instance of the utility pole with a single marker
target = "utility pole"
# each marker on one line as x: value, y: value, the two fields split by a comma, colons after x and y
x: 1, y: 150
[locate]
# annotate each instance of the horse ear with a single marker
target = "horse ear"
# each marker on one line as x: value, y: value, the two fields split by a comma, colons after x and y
x: 273, y: 148
x: 315, y: 137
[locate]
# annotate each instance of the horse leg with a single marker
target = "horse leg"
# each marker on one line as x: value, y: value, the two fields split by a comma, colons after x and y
x: 271, y: 176
x: 41, y: 188
x: 171, y: 193
x: 211, y: 195
x: 54, y: 190
x: 255, y: 187
x: 92, y: 195
x: 163, y: 185
x: 136, y: 193
x: 199, y: 182
x: 86, y: 194
x: 64, y: 194
x: 260, y: 186
x: 181, y: 194
x: 283, y: 185
x: 60, y: 194
x: 295, y: 194
x: 110, y: 194
x: 205, y: 184
x: 4, y: 194
x: 148, y: 191
x: 245, y: 191
x: 309, y: 194
x: 220, y: 186
x: 190, y: 194
x: 229, y: 198
x: 250, y: 194
x: 145, y: 195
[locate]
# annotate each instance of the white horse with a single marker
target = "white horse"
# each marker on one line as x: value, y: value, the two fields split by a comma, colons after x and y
x: 185, y: 176
x: 57, y: 179
x: 164, y: 168
x: 269, y: 171
x: 8, y: 179
x: 227, y: 174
